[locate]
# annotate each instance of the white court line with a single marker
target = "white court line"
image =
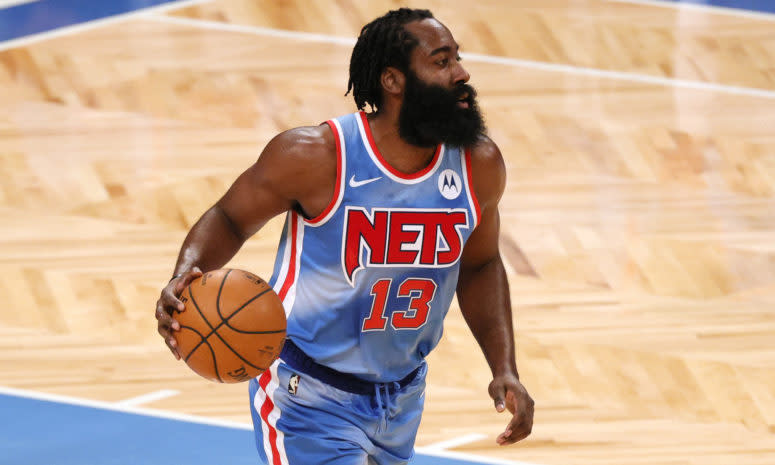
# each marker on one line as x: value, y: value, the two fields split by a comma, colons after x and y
x: 146, y: 398
x: 700, y: 7
x: 125, y: 409
x: 473, y: 57
x: 454, y: 442
x: 68, y: 30
x: 254, y: 30
x: 470, y: 457
x: 9, y: 3
x: 214, y: 422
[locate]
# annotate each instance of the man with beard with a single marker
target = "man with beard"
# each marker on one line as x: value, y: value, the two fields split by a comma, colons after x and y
x: 387, y: 215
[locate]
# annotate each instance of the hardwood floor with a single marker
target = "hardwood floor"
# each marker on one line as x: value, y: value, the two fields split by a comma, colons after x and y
x: 638, y: 221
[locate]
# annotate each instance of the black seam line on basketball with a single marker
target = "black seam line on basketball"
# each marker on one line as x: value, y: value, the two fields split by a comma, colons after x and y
x: 231, y: 348
x: 215, y: 361
x: 193, y: 300
x: 226, y: 321
x: 201, y: 340
x: 215, y: 329
x: 204, y: 338
x: 212, y: 352
x: 220, y: 290
x: 196, y: 305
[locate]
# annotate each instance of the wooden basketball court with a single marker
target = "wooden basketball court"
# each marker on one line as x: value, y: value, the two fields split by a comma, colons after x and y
x: 638, y: 222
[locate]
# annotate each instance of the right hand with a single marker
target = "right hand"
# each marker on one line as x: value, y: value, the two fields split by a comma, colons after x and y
x: 169, y: 302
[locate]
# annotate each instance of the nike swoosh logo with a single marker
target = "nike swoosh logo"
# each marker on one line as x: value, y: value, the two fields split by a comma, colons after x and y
x: 354, y: 183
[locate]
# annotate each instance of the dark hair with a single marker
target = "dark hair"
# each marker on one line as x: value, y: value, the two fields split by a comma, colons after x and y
x: 383, y: 42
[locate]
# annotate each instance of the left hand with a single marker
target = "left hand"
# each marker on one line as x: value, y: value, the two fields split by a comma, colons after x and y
x: 509, y: 393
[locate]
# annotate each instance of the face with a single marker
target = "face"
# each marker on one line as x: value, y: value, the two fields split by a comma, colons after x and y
x: 438, y: 105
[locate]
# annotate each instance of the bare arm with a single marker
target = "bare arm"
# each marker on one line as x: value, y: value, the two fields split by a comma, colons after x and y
x: 296, y: 170
x: 483, y: 294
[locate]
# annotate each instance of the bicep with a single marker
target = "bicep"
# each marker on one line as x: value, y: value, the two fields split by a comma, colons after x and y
x: 489, y: 183
x: 266, y: 189
x: 482, y: 245
x: 252, y: 200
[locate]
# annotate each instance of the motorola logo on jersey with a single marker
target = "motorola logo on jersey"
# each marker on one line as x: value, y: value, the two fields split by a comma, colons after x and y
x: 450, y: 185
x: 424, y: 238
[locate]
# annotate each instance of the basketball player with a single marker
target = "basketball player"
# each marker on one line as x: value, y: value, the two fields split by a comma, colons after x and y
x: 388, y: 213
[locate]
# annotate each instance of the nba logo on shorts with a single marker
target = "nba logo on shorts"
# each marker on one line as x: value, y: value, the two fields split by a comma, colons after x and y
x: 293, y: 384
x: 449, y: 184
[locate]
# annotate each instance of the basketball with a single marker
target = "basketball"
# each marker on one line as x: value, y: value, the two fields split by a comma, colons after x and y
x: 233, y: 326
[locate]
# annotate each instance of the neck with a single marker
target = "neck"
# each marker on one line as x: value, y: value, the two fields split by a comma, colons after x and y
x: 400, y: 154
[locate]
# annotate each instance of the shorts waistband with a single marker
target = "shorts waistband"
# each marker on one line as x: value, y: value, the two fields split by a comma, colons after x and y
x: 298, y: 360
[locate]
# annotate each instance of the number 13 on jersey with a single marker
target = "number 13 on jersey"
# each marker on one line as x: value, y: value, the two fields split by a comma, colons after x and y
x: 420, y: 292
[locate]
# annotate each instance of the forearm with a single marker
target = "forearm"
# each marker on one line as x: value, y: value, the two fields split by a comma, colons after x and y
x: 483, y: 294
x: 210, y: 243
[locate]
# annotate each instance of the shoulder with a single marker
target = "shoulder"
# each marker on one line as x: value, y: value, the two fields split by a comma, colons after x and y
x: 298, y: 164
x: 488, y: 171
x: 304, y: 153
x: 305, y: 142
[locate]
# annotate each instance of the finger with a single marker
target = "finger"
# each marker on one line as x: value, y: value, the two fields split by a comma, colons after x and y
x: 520, y: 425
x: 511, y: 428
x: 173, y: 346
x: 170, y: 302
x: 164, y: 310
x: 503, y: 438
x: 166, y: 321
x: 516, y: 436
x: 498, y: 394
x: 169, y: 339
x: 191, y: 275
x: 515, y: 432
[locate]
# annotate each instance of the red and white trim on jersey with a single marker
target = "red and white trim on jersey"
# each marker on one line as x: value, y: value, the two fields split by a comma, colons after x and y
x: 274, y: 439
x: 285, y: 286
x: 470, y: 187
x: 341, y: 165
x: 384, y: 166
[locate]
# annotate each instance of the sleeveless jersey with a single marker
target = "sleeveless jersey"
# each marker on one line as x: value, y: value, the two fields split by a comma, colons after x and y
x: 366, y: 284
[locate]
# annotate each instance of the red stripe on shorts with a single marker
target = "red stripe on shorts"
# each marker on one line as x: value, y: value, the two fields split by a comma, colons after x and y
x: 266, y: 409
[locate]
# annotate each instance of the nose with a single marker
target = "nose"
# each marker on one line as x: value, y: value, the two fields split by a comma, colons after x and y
x: 461, y: 76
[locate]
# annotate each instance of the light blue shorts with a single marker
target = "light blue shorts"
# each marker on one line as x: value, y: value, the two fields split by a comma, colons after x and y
x: 300, y: 420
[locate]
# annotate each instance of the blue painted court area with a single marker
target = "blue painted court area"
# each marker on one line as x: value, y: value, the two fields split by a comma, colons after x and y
x: 46, y: 15
x: 35, y: 431
x: 765, y: 6
x: 40, y: 432
x: 40, y: 16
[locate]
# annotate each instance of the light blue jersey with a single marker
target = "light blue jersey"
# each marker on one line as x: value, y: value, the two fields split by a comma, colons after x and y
x: 366, y: 285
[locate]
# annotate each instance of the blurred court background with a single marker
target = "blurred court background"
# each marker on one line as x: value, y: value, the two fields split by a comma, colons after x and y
x: 638, y: 226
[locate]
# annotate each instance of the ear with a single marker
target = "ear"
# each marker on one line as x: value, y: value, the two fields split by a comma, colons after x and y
x: 393, y: 81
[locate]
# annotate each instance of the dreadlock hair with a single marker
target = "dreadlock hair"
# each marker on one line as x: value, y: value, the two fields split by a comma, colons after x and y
x: 383, y: 42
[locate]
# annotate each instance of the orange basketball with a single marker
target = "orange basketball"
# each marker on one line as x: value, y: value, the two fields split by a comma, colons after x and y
x: 233, y: 326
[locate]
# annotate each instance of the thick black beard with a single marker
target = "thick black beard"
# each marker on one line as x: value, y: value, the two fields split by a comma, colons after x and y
x: 430, y: 115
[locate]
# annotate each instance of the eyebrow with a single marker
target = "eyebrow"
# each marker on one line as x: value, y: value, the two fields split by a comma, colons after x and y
x: 445, y: 48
